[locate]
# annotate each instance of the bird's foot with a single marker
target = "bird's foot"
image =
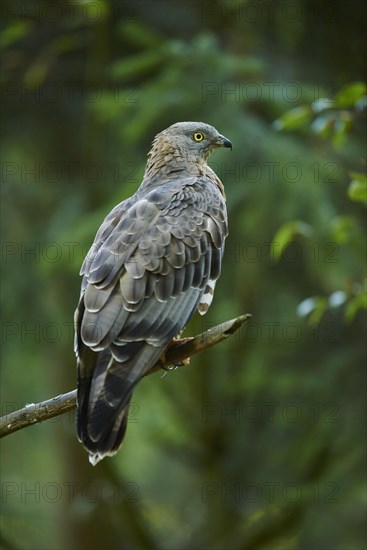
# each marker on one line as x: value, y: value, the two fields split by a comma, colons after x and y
x: 182, y: 363
x: 175, y: 367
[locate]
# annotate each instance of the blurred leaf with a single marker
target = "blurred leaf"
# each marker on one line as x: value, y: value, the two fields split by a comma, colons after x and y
x: 343, y: 228
x: 351, y: 94
x: 287, y: 232
x: 294, y: 118
x: 305, y: 307
x: 343, y: 124
x: 324, y: 124
x: 140, y: 35
x: 337, y: 298
x: 206, y: 42
x: 314, y: 307
x: 137, y: 65
x: 65, y: 43
x: 322, y: 104
x: 357, y: 190
x: 356, y: 304
x: 14, y: 32
x: 361, y: 104
x: 36, y: 75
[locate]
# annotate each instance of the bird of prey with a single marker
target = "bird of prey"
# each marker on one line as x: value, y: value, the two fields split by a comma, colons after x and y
x: 154, y: 261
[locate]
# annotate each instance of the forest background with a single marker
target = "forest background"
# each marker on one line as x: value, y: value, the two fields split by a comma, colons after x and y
x: 257, y: 444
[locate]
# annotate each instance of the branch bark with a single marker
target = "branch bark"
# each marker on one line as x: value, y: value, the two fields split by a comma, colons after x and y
x: 176, y: 354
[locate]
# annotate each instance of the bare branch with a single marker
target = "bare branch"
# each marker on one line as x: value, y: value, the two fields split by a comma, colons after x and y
x: 177, y: 352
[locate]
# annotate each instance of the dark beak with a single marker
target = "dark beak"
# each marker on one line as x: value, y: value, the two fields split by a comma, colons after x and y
x: 223, y: 142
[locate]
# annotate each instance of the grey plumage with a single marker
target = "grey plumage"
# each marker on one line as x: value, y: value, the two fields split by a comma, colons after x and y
x: 154, y: 261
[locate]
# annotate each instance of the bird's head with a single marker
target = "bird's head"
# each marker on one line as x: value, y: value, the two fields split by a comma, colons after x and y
x: 184, y: 145
x: 196, y: 138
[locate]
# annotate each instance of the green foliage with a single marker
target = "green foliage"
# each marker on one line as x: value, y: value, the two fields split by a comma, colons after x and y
x: 344, y: 229
x: 14, y: 32
x: 357, y: 190
x: 294, y: 118
x: 352, y: 95
x: 328, y: 117
x: 287, y: 233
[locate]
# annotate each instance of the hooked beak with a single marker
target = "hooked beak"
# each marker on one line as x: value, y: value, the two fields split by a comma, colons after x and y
x: 223, y: 142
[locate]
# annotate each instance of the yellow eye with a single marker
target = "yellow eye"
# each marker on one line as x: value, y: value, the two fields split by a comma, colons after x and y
x: 198, y: 136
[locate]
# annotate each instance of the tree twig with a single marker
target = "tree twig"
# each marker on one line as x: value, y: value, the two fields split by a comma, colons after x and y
x: 175, y: 354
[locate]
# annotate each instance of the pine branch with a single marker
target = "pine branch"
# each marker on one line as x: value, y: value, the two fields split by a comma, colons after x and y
x: 176, y: 354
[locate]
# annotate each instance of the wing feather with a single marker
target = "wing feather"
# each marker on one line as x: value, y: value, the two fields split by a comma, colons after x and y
x: 154, y: 261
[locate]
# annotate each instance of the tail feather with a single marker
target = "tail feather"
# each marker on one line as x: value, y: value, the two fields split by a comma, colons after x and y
x: 111, y: 439
x: 104, y: 395
x: 102, y: 429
